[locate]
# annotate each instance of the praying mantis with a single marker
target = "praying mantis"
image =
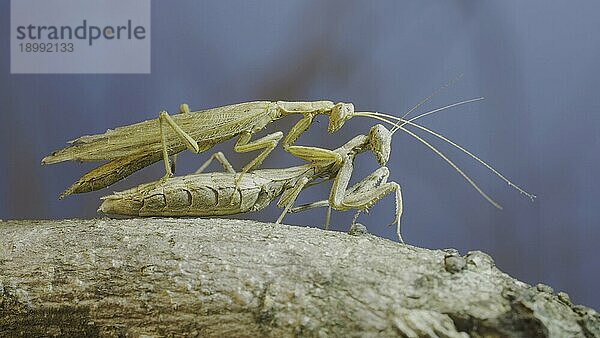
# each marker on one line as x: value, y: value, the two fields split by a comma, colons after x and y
x: 133, y: 147
x: 210, y: 194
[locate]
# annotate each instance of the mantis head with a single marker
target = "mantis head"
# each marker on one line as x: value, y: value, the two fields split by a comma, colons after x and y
x: 339, y: 114
x: 379, y: 142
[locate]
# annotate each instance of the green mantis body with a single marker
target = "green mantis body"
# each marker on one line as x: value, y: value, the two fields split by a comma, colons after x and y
x: 133, y: 147
x: 210, y: 194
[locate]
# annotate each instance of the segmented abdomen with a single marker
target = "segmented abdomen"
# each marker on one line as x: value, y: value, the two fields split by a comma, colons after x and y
x: 210, y: 194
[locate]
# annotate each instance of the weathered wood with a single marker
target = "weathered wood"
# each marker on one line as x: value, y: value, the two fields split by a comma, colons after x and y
x: 218, y: 277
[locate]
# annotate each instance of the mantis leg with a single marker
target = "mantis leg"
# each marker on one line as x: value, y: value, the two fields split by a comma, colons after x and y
x: 268, y: 143
x: 183, y: 108
x: 365, y: 193
x: 353, y: 224
x: 325, y: 203
x: 221, y: 159
x: 190, y: 143
x: 308, y: 206
x: 318, y: 204
x: 243, y: 144
x: 369, y: 184
x: 311, y: 154
x: 289, y: 197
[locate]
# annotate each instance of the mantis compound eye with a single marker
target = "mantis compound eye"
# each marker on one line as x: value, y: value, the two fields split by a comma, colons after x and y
x: 380, y: 140
x: 340, y: 113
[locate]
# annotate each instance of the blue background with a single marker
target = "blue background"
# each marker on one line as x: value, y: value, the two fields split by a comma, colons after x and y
x: 536, y: 62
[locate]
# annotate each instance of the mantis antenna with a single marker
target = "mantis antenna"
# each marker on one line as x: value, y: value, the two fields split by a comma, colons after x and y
x: 437, y: 91
x: 386, y: 118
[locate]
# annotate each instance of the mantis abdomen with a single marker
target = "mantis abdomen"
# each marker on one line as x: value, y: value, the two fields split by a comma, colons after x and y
x: 210, y: 194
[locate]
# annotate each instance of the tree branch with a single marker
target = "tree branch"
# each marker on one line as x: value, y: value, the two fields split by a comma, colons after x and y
x: 219, y: 277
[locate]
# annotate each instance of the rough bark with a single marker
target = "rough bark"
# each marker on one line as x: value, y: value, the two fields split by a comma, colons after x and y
x: 218, y: 277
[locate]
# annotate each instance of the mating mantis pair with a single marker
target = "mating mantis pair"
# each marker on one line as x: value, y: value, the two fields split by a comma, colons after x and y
x: 133, y: 147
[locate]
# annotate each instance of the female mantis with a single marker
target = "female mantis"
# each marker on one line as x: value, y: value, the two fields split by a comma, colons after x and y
x: 210, y: 194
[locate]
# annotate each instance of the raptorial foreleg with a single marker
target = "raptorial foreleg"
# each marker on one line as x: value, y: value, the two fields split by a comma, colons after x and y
x: 311, y: 154
x: 366, y: 193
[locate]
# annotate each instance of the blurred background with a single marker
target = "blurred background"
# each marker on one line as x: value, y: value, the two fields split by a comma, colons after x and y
x: 535, y: 62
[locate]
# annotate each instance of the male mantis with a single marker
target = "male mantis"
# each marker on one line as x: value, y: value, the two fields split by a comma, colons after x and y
x: 133, y: 147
